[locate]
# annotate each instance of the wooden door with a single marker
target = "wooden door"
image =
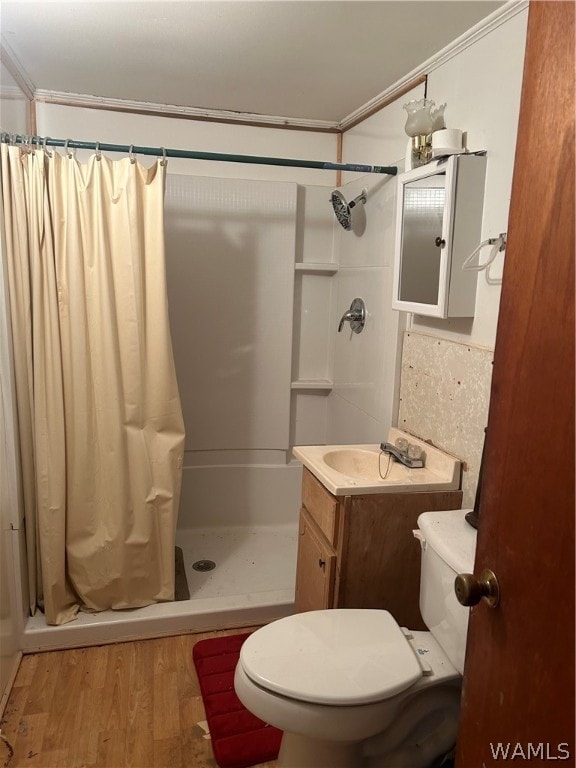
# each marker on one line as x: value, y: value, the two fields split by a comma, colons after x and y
x: 518, y: 693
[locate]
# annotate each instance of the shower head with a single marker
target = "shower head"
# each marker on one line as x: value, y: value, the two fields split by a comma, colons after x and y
x: 343, y: 209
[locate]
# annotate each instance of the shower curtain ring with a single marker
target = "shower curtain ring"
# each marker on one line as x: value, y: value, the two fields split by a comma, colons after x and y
x: 98, y: 153
x: 131, y: 154
x: 69, y: 153
x: 164, y: 161
x: 45, y: 148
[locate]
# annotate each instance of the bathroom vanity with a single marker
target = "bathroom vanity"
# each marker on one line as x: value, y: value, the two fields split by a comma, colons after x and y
x: 356, y: 548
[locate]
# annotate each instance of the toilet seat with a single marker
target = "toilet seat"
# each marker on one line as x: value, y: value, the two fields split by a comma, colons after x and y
x: 338, y: 657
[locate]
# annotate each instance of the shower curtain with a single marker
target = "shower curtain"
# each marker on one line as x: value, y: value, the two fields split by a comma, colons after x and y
x: 99, y: 418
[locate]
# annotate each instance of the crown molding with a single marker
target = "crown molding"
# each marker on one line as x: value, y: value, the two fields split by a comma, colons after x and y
x: 15, y: 68
x: 187, y: 113
x: 475, y: 33
x: 402, y: 86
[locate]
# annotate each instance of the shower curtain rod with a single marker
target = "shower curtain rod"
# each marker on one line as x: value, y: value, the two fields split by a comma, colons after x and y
x: 190, y: 155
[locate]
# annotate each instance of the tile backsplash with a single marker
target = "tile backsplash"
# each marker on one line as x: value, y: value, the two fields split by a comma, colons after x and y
x: 444, y: 398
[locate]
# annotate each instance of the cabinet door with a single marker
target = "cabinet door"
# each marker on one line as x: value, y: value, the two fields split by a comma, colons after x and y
x: 320, y: 505
x: 315, y: 569
x: 438, y: 225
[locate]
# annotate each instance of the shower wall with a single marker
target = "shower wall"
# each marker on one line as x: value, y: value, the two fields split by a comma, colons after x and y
x: 230, y: 249
x: 363, y: 403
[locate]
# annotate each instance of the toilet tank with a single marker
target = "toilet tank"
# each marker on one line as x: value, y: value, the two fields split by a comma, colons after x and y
x: 448, y: 548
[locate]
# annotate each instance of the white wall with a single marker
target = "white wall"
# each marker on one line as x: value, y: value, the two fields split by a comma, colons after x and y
x: 364, y: 402
x: 361, y: 406
x: 481, y: 85
x: 230, y: 247
x: 230, y: 271
x: 62, y: 122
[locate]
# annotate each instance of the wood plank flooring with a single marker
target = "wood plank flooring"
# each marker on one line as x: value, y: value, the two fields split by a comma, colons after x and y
x: 127, y: 705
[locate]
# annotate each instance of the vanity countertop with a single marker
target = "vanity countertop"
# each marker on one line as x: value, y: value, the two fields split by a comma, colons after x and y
x: 347, y: 470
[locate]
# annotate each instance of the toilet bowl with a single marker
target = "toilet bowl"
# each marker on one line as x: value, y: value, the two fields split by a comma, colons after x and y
x: 350, y: 688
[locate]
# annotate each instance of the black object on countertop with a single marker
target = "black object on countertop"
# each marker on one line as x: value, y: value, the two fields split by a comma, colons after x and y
x: 473, y: 517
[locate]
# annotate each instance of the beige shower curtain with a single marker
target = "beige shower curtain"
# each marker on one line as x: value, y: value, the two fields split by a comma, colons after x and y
x: 100, y: 423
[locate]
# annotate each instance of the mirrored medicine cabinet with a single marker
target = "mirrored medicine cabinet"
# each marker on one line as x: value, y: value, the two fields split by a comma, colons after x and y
x: 438, y: 225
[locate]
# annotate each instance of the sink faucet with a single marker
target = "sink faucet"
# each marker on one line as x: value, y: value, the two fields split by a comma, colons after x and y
x: 402, y: 456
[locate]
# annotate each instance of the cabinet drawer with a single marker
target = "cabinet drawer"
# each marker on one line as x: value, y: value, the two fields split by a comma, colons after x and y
x: 321, y: 505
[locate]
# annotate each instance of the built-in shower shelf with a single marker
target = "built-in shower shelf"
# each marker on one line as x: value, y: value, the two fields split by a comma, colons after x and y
x: 303, y: 385
x: 316, y: 268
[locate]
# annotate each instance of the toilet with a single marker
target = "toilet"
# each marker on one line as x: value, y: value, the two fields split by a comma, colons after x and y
x: 350, y: 688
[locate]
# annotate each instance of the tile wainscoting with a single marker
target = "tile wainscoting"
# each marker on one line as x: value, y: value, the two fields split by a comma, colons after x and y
x: 444, y: 398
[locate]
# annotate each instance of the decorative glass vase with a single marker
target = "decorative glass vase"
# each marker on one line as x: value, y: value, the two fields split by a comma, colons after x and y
x: 419, y: 121
x: 419, y: 126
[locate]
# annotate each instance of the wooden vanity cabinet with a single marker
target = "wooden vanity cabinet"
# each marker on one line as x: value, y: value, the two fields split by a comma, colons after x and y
x: 359, y: 551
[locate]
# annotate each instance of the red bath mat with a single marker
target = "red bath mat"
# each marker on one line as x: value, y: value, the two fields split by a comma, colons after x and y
x: 239, y: 738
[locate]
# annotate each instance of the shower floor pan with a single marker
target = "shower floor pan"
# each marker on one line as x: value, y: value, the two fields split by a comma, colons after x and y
x: 252, y: 583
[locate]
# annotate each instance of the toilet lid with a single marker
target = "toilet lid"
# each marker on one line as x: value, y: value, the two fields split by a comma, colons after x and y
x: 338, y: 657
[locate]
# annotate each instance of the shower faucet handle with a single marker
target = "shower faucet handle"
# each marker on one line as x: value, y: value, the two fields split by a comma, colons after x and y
x: 356, y: 316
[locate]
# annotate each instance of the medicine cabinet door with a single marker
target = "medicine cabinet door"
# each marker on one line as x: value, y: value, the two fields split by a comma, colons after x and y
x: 423, y: 240
x: 438, y: 225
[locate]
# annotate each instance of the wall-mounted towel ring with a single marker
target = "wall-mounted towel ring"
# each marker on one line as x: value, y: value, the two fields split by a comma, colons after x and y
x: 498, y: 244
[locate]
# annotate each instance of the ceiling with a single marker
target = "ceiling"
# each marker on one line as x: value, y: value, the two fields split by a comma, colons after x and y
x: 306, y: 59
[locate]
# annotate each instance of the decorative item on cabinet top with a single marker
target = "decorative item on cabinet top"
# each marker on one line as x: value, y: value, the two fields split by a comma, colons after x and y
x: 424, y: 118
x: 438, y: 224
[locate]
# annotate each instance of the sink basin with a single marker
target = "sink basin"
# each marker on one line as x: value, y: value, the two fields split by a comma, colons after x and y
x: 347, y: 470
x: 365, y: 465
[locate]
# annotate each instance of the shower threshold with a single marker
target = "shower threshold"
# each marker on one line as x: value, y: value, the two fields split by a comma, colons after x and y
x: 252, y: 583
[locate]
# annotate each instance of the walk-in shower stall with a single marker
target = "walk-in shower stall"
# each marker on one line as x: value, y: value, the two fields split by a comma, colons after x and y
x: 253, y: 305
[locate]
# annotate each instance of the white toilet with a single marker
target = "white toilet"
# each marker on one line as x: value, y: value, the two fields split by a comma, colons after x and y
x: 350, y: 688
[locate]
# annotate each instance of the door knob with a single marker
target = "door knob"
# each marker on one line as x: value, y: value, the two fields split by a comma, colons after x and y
x: 471, y: 589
